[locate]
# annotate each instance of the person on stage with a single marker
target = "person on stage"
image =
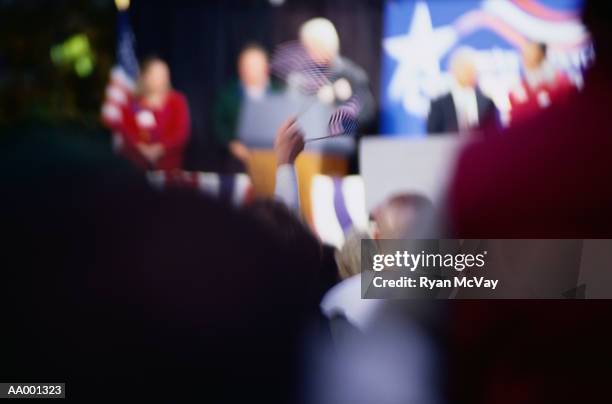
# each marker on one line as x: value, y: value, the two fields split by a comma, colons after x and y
x: 541, y: 86
x: 465, y: 107
x: 254, y: 83
x: 153, y: 123
x: 348, y: 81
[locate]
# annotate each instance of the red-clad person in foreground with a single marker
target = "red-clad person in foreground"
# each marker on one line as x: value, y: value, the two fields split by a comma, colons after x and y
x: 152, y: 125
x: 548, y: 177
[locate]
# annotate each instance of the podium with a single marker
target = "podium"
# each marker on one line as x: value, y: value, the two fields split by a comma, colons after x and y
x: 258, y: 123
x: 262, y: 170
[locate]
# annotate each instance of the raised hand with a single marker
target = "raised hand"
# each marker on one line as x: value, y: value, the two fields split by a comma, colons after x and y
x: 289, y: 142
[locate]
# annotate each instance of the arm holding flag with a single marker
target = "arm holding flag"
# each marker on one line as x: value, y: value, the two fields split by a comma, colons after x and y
x: 288, y: 144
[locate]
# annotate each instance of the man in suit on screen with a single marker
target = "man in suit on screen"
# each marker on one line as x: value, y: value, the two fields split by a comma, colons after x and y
x: 464, y: 107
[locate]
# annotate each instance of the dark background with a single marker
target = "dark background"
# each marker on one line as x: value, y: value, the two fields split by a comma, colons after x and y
x: 199, y: 39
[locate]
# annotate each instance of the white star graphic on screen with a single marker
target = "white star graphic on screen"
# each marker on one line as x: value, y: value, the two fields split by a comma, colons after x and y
x: 417, y: 77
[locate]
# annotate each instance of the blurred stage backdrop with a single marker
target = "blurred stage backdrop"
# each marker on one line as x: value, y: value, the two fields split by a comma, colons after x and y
x: 55, y: 55
x: 419, y: 37
x: 201, y: 41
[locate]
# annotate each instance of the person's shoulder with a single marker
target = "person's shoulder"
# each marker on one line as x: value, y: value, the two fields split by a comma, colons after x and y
x: 482, y: 95
x: 229, y: 91
x: 177, y: 99
x: 176, y: 95
x: 276, y: 86
x: 352, y: 68
x: 347, y: 63
x: 441, y: 99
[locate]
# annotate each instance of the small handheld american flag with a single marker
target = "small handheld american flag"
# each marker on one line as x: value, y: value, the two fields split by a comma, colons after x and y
x: 344, y: 120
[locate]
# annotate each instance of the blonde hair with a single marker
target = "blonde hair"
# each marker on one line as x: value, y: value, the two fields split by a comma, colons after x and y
x: 348, y: 258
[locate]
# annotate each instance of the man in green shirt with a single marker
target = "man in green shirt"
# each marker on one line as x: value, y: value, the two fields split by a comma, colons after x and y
x: 254, y: 83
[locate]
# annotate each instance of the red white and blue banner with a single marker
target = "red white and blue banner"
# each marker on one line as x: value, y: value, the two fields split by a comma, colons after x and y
x: 419, y: 36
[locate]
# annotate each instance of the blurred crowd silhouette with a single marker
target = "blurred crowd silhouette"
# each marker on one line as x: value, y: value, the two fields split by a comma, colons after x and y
x: 128, y: 293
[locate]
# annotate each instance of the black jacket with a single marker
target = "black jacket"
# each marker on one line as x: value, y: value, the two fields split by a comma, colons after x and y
x: 443, y: 115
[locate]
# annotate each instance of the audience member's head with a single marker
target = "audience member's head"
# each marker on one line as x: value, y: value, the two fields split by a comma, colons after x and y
x: 154, y: 77
x: 186, y: 290
x: 463, y: 68
x: 320, y: 38
x: 348, y: 258
x: 253, y: 69
x: 533, y: 54
x: 296, y: 239
x: 597, y: 16
x: 278, y: 218
x: 397, y: 217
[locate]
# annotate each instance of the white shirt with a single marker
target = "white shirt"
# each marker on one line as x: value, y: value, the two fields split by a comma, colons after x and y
x: 256, y: 93
x: 546, y: 73
x: 466, y: 106
x: 345, y: 298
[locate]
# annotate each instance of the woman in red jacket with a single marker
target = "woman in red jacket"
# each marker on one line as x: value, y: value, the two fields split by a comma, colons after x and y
x: 153, y: 124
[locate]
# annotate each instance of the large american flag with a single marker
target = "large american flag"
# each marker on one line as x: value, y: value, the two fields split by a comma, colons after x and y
x: 125, y: 72
x: 127, y: 61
